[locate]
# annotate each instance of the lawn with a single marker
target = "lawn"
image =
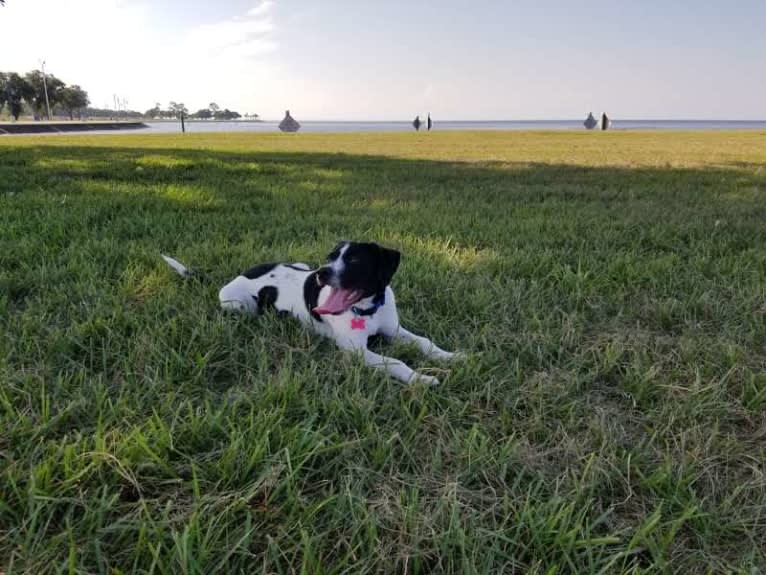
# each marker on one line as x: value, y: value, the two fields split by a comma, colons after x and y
x: 609, y: 289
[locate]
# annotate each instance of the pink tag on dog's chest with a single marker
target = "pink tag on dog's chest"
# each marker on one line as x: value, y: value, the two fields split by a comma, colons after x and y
x: 357, y: 323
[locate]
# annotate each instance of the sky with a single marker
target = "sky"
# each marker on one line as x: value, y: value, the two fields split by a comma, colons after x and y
x: 393, y: 59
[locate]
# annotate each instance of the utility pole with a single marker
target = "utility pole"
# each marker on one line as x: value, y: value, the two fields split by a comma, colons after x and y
x: 45, y: 89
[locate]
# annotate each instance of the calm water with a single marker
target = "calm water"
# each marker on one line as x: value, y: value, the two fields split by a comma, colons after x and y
x: 309, y: 126
x: 164, y: 127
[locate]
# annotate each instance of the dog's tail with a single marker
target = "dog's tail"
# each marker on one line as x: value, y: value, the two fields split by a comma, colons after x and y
x: 181, y: 269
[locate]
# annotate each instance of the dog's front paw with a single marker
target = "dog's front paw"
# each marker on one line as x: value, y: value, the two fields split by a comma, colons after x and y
x: 451, y: 356
x: 424, y: 379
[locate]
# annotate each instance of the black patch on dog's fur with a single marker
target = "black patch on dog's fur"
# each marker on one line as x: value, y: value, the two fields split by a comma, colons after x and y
x: 258, y: 271
x: 311, y: 294
x: 267, y: 297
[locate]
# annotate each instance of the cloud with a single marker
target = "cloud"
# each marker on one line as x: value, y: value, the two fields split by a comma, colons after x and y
x: 263, y: 8
x: 229, y: 60
x: 248, y: 35
x: 121, y: 47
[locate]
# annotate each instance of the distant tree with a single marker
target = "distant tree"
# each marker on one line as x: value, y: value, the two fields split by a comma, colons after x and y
x: 17, y: 90
x: 38, y: 87
x: 213, y: 107
x: 74, y: 99
x: 227, y: 114
x: 153, y: 112
x: 3, y: 96
x: 176, y: 109
x: 203, y: 114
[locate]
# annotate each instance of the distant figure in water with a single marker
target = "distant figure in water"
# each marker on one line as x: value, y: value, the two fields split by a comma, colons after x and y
x: 604, y: 121
x: 430, y: 123
x: 416, y: 123
x: 288, y: 124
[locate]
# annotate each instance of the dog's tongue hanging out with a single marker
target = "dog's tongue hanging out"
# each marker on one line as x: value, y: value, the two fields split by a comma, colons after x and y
x: 339, y: 301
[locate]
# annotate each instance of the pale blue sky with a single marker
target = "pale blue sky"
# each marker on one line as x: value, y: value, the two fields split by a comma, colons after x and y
x: 387, y: 60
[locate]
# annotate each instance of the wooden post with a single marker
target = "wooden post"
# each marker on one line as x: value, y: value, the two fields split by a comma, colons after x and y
x: 183, y: 127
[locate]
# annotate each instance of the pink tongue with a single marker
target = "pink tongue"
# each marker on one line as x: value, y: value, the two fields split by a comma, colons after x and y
x: 339, y: 301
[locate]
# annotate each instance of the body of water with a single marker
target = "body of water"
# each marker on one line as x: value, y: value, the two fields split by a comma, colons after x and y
x: 334, y: 126
x: 167, y: 127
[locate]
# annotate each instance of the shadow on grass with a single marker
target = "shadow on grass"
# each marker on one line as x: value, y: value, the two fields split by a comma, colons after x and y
x: 488, y: 248
x: 613, y: 314
x: 602, y: 235
x: 225, y: 210
x: 305, y: 197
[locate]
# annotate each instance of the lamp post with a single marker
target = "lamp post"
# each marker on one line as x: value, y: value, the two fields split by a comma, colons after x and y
x: 45, y: 88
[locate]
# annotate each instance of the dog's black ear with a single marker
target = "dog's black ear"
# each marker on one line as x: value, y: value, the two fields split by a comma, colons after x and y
x: 389, y: 263
x: 335, y: 251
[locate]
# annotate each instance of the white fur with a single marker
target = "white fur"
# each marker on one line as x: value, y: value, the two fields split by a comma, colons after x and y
x: 239, y: 293
x: 176, y: 265
x: 338, y: 264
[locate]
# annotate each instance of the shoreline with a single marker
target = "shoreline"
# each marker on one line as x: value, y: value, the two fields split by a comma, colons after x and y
x: 23, y: 127
x: 98, y: 127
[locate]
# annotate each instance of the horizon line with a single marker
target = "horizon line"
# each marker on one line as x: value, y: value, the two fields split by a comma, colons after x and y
x: 611, y: 118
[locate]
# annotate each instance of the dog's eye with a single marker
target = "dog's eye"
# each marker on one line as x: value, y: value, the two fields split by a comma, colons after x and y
x: 354, y: 260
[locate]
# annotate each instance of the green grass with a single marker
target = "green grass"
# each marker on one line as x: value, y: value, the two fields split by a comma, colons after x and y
x: 610, y: 290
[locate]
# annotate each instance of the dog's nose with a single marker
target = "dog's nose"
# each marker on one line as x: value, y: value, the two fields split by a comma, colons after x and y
x: 324, y: 275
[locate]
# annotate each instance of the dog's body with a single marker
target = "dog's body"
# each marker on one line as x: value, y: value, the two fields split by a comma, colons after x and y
x: 347, y: 300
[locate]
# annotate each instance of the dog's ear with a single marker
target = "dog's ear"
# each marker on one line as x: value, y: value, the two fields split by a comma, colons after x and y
x: 389, y: 263
x: 335, y: 251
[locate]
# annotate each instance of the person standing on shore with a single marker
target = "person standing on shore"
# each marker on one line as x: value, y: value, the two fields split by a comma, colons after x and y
x: 416, y: 123
x: 430, y: 123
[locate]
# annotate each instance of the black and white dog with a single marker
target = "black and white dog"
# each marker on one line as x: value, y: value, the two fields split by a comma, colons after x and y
x: 348, y: 299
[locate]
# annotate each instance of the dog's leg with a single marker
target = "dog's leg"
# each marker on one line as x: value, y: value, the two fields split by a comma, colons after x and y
x: 397, y: 368
x: 425, y: 345
x: 394, y: 367
x: 236, y: 296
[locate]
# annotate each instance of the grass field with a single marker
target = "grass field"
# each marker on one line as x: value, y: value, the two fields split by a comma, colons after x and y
x: 610, y: 290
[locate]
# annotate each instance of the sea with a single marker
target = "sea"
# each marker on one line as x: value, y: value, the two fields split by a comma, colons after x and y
x: 362, y: 126
x: 173, y: 126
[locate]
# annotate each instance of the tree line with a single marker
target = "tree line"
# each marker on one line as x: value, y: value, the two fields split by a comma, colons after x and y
x: 17, y: 91
x: 177, y: 109
x: 27, y: 94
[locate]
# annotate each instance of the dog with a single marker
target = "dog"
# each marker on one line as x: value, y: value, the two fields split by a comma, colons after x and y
x: 348, y: 300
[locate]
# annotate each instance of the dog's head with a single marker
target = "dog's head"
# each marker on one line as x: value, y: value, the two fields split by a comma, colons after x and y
x: 354, y: 271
